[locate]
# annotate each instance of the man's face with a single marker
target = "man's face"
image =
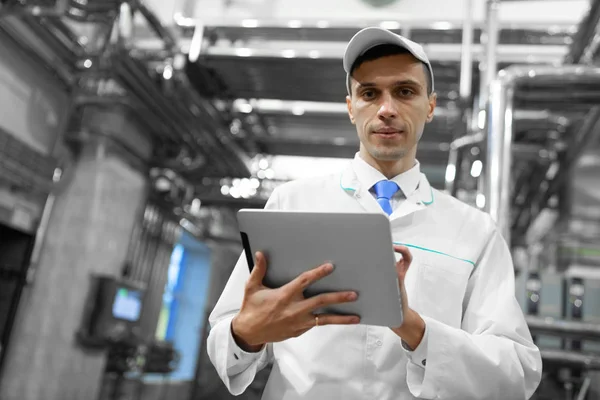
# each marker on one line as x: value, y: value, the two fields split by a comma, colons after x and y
x: 390, y: 106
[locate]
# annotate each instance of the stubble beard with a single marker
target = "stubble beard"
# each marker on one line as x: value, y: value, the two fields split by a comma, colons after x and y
x: 388, y: 154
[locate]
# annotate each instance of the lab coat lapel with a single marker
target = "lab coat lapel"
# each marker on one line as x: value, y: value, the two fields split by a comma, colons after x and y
x: 350, y: 184
x: 407, y: 207
x: 418, y: 201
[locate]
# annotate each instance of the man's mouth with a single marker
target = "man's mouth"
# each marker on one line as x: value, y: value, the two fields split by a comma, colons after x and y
x: 388, y: 132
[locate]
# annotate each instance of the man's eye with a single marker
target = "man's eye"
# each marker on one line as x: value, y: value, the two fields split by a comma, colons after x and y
x: 368, y: 94
x: 406, y: 92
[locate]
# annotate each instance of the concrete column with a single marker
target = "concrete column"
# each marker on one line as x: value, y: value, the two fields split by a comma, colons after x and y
x: 99, y: 199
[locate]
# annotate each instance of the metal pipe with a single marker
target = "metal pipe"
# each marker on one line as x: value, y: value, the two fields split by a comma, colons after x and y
x: 571, y: 329
x: 125, y: 24
x: 40, y: 238
x: 500, y: 130
x: 494, y: 152
x: 592, y: 49
x: 488, y: 69
x: 584, y: 138
x: 158, y: 27
x: 584, y: 388
x: 467, y: 140
x: 466, y: 64
x: 582, y: 39
x: 567, y: 358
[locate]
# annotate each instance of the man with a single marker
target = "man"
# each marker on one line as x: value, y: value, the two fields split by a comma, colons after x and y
x: 464, y: 335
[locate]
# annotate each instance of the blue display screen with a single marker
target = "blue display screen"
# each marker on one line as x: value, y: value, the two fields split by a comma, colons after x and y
x: 127, y: 304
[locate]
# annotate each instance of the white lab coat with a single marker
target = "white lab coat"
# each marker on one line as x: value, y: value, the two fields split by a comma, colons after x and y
x: 476, y: 345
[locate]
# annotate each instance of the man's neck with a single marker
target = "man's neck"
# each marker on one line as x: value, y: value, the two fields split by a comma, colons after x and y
x: 391, y: 168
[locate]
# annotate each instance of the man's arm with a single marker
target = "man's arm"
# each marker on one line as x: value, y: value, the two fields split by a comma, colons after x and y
x: 493, y: 356
x: 236, y: 367
x: 250, y: 316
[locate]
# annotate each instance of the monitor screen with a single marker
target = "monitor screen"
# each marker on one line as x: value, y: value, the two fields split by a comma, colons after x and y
x: 127, y: 304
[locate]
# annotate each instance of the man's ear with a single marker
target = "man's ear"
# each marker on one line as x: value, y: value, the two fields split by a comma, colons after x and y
x: 350, y: 112
x: 432, y: 104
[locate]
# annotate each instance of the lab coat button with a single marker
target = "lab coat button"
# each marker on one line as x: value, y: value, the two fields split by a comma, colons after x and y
x: 424, y: 362
x: 379, y: 343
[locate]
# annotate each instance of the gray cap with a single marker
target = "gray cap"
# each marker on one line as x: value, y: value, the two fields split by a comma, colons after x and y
x: 370, y: 37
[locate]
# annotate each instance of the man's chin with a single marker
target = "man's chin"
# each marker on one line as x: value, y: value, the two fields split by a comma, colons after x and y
x: 388, y: 154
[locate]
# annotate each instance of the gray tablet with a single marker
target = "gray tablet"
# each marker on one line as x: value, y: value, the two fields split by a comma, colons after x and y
x: 359, y: 246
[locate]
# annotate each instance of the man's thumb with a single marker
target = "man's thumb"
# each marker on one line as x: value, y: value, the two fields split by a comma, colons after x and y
x: 260, y: 269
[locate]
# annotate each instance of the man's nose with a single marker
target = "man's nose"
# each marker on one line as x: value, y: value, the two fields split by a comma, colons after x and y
x: 387, y: 107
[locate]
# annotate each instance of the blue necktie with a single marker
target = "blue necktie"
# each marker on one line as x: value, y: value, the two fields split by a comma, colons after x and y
x: 384, y: 191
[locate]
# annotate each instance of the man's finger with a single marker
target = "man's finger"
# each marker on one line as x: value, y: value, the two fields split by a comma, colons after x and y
x: 326, y: 299
x: 307, y: 278
x: 406, y: 254
x: 333, y: 319
x: 259, y: 271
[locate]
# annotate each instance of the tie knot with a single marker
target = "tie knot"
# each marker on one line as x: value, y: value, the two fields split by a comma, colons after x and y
x: 385, y: 189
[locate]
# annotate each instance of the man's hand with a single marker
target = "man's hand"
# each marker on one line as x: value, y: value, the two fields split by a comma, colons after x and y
x: 273, y: 315
x: 413, y: 326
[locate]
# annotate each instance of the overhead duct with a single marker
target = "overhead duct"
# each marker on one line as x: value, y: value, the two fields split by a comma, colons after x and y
x: 201, y: 134
x: 501, y: 122
x: 586, y: 40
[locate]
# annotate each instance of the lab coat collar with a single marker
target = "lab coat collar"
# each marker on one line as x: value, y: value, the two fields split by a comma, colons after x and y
x: 350, y: 183
x: 368, y: 176
x: 420, y: 199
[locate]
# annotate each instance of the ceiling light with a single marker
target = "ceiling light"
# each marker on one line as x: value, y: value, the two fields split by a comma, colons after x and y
x: 235, y: 193
x: 297, y: 110
x: 87, y: 63
x: 390, y: 25
x: 162, y: 184
x: 442, y: 25
x: 480, y: 200
x: 314, y: 54
x: 481, y: 119
x: 323, y: 24
x: 263, y: 163
x: 245, y: 108
x: 450, y: 172
x: 243, y: 52
x: 476, y: 168
x: 295, y: 23
x: 195, y: 206
x: 288, y: 53
x: 250, y: 23
x: 168, y: 72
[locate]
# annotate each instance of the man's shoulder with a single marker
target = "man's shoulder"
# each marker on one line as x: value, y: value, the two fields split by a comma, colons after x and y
x: 312, y: 184
x: 455, y: 208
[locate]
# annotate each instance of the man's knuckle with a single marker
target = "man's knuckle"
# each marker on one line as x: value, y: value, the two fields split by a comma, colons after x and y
x: 279, y: 300
x: 320, y: 301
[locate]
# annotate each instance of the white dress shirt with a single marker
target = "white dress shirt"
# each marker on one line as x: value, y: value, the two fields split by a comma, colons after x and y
x: 407, y: 181
x: 476, y: 344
